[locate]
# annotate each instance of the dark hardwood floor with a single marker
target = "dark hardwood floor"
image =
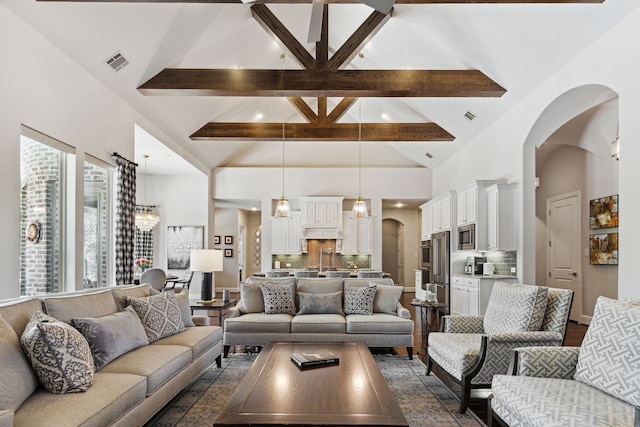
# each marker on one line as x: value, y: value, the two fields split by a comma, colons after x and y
x: 575, y: 335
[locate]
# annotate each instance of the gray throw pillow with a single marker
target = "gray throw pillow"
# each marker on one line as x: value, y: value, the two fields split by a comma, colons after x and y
x: 330, y: 303
x: 278, y: 299
x: 159, y: 314
x: 182, y: 298
x: 359, y: 299
x: 59, y: 354
x: 112, y: 336
x: 251, y: 298
x: 386, y: 300
x: 18, y: 380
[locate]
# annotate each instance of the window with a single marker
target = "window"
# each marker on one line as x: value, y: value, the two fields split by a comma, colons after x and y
x: 43, y: 172
x: 98, y: 178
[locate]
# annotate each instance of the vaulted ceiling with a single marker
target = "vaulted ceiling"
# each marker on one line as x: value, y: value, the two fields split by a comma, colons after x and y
x: 210, y: 73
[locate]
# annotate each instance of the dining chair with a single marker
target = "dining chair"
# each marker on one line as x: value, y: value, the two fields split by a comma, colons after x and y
x: 154, y: 276
x: 305, y: 273
x: 369, y: 274
x: 275, y: 273
x: 337, y: 274
x: 184, y: 281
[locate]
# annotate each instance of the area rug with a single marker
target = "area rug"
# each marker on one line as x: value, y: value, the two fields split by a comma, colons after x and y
x: 424, y: 400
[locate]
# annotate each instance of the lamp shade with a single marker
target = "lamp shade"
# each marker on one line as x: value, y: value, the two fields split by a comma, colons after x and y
x: 206, y: 260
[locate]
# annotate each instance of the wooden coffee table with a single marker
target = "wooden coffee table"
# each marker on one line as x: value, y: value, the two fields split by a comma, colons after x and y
x: 276, y: 392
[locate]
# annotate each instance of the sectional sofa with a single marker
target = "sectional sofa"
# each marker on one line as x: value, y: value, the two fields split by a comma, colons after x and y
x: 319, y: 310
x: 131, y: 379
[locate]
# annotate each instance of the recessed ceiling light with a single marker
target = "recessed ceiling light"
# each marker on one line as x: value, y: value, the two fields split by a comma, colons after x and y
x: 385, y: 116
x: 258, y: 117
x: 399, y: 205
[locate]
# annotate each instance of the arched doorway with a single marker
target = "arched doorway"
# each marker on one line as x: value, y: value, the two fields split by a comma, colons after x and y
x: 393, y: 249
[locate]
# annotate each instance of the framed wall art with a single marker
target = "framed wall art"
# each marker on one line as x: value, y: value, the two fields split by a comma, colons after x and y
x: 603, y: 212
x: 228, y: 253
x: 216, y: 240
x: 228, y: 240
x: 180, y: 240
x: 604, y: 249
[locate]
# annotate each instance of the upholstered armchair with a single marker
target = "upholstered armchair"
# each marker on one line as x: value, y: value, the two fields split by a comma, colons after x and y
x: 472, y: 349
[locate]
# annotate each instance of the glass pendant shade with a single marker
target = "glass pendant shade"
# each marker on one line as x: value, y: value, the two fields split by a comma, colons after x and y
x: 146, y: 220
x: 360, y: 210
x: 283, y: 210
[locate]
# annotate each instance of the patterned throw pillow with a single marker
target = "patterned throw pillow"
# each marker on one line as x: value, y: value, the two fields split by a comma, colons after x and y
x: 330, y: 303
x: 113, y: 335
x: 278, y: 299
x: 159, y: 314
x: 359, y: 299
x: 59, y: 354
x: 515, y: 308
x: 608, y: 358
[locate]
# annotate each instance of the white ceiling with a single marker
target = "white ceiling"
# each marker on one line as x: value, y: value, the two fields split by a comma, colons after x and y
x: 517, y: 45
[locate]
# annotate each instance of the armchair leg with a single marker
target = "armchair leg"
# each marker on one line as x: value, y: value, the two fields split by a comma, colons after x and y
x: 465, y: 395
x: 429, y: 365
x: 410, y: 352
x: 219, y: 361
x: 226, y: 351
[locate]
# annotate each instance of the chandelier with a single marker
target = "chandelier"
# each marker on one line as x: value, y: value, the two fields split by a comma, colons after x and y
x: 145, y: 219
x: 283, y: 210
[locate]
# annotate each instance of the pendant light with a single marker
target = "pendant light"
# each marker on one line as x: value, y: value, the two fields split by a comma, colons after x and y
x: 145, y: 220
x: 359, y: 207
x: 283, y: 210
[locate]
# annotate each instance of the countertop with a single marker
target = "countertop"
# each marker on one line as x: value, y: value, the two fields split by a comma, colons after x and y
x: 481, y: 276
x: 353, y: 273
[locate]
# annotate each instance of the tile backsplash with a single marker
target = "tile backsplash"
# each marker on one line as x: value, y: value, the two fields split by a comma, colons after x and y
x: 341, y: 261
x: 502, y: 262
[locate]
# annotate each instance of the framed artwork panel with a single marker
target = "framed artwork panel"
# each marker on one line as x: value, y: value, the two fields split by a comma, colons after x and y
x: 180, y: 240
x: 228, y: 240
x: 603, y: 212
x: 228, y: 253
x: 604, y: 249
x: 216, y: 240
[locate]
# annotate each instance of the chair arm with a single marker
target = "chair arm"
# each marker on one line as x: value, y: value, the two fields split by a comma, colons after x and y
x: 636, y: 421
x: 200, y: 320
x: 235, y: 311
x: 545, y: 362
x: 536, y: 338
x: 462, y: 324
x: 6, y: 418
x: 402, y: 312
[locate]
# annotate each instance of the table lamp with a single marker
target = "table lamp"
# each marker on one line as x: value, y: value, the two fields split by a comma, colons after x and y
x: 206, y: 261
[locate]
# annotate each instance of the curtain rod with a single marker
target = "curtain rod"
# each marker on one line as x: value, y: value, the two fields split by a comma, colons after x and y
x: 114, y: 154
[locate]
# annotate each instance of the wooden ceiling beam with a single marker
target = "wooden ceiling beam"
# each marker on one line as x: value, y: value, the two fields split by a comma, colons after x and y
x: 303, y: 108
x: 340, y: 109
x: 339, y: 1
x: 310, y: 83
x: 399, y: 132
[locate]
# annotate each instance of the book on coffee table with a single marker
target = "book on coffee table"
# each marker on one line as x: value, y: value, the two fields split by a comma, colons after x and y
x: 317, y: 358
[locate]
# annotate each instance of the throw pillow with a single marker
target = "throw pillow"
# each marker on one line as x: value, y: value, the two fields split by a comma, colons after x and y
x: 59, y: 354
x: 330, y: 303
x: 515, y: 308
x: 251, y: 298
x: 278, y: 299
x: 112, y: 336
x: 359, y: 299
x: 608, y: 358
x: 139, y: 291
x: 387, y: 298
x: 18, y: 380
x: 182, y: 298
x: 160, y: 315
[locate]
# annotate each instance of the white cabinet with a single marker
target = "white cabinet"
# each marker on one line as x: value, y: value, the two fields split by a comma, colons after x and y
x: 501, y: 217
x: 437, y: 214
x: 321, y: 211
x: 470, y: 295
x: 286, y: 235
x: 356, y: 235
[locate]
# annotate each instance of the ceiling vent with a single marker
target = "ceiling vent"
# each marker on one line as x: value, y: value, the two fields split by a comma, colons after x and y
x: 469, y: 115
x: 117, y: 62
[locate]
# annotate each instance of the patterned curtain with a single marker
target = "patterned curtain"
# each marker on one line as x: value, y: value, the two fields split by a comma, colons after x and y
x: 144, y: 239
x: 125, y: 219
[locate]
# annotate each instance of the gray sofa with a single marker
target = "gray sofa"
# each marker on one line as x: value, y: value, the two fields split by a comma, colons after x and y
x: 126, y: 391
x: 318, y: 314
x: 596, y: 384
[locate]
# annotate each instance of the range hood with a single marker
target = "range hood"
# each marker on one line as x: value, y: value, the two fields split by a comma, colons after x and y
x: 314, y: 233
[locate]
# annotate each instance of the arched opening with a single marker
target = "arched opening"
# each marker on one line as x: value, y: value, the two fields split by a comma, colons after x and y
x: 567, y: 153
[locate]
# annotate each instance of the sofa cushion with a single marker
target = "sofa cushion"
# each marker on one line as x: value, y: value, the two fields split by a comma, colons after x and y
x: 515, y: 308
x: 366, y: 282
x: 259, y: 323
x: 158, y: 363
x: 319, y: 285
x: 609, y: 358
x: 278, y: 299
x: 359, y: 300
x: 251, y: 298
x: 454, y: 352
x: 138, y: 291
x: 59, y: 354
x: 387, y: 298
x: 182, y: 298
x: 160, y: 314
x: 112, y: 335
x: 17, y: 380
x: 319, y: 323
x: 549, y: 402
x: 65, y: 307
x: 102, y: 404
x: 310, y: 303
x: 199, y: 339
x: 18, y: 312
x: 378, y: 323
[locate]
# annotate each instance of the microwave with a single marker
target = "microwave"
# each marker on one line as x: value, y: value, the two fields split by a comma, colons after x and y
x: 425, y: 254
x: 467, y: 237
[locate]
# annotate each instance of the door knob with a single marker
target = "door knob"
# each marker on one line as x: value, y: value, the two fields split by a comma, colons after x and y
x: 574, y: 274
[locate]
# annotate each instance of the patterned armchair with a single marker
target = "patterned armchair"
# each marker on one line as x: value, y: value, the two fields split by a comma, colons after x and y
x: 472, y: 349
x: 596, y: 384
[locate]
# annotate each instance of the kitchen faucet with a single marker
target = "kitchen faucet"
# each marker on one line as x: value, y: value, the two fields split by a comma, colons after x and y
x: 324, y: 251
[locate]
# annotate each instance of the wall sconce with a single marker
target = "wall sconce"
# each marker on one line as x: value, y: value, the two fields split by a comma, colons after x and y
x: 615, y: 148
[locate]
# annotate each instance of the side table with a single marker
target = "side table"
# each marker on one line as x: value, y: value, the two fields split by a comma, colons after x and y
x: 217, y: 305
x: 429, y: 316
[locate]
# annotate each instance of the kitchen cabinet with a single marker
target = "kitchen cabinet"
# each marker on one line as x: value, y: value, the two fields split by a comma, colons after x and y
x: 427, y: 221
x: 286, y: 235
x: 470, y: 295
x: 356, y: 235
x: 436, y: 214
x: 467, y: 205
x: 321, y: 212
x: 501, y: 217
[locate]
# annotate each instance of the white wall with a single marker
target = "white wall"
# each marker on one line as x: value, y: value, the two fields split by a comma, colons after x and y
x: 499, y: 151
